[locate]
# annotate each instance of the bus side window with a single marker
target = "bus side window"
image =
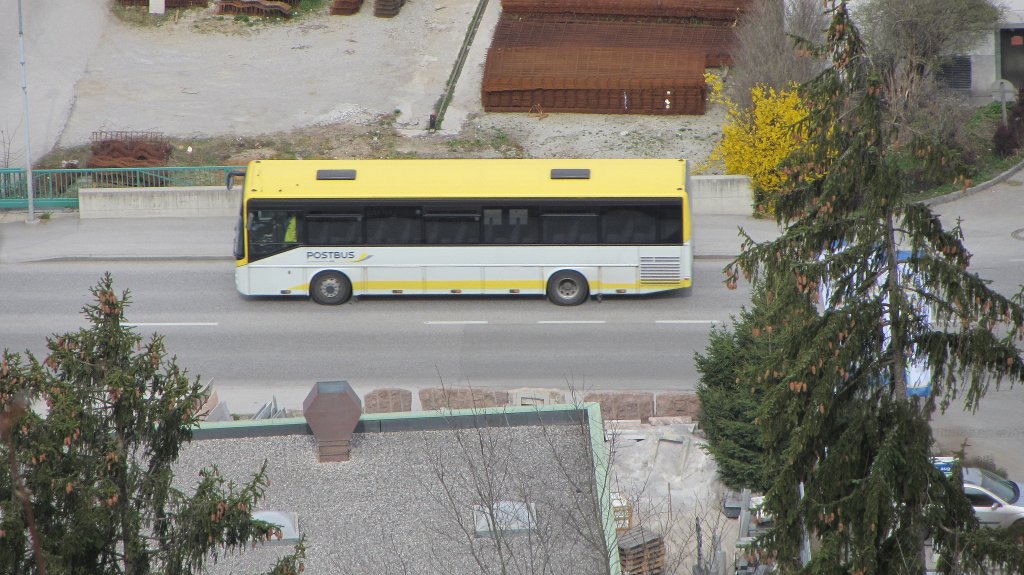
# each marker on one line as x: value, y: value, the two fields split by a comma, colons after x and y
x: 570, y: 226
x: 334, y: 229
x: 629, y: 225
x: 670, y: 225
x: 393, y: 225
x: 511, y: 225
x: 451, y: 226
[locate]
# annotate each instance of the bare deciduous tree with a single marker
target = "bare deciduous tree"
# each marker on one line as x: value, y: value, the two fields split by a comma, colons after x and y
x: 908, y: 41
x: 766, y: 49
x: 511, y: 516
x: 6, y: 146
x: 548, y: 476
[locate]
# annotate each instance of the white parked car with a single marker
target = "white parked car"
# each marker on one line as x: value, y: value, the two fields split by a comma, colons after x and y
x: 997, y: 502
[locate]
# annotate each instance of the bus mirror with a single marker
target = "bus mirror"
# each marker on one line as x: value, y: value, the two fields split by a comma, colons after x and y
x: 231, y: 176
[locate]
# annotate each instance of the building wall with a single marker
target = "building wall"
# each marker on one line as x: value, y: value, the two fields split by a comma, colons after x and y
x: 986, y: 57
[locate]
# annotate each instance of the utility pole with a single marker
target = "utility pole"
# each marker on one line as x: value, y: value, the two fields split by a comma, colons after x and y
x: 28, y: 143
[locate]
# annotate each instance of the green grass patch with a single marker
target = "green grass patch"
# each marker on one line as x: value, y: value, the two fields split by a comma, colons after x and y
x: 311, y: 6
x: 140, y: 16
x: 987, y: 116
x: 490, y: 140
x: 986, y: 164
x: 988, y: 167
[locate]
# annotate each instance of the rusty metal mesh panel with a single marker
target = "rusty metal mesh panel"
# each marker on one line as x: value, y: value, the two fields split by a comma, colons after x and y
x: 704, y: 9
x: 666, y: 101
x: 590, y: 67
x: 254, y: 7
x: 603, y: 80
x: 168, y: 3
x: 515, y: 30
x: 127, y: 135
x: 128, y: 149
x: 387, y: 8
x: 345, y: 7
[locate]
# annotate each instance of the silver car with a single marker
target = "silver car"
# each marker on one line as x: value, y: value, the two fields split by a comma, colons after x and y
x: 997, y: 502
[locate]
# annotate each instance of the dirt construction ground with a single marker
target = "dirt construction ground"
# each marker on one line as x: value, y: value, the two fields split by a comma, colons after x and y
x: 197, y: 74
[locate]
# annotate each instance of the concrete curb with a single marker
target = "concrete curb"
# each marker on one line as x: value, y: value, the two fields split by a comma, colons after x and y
x: 973, y: 190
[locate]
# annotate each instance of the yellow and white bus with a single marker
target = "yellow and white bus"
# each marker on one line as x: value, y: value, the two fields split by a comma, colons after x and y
x: 567, y: 228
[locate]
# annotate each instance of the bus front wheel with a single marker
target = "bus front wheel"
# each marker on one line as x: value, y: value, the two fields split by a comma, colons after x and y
x: 330, y: 288
x: 567, y: 287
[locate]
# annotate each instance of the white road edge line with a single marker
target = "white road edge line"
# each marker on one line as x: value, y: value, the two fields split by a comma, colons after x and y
x: 466, y: 322
x: 572, y: 321
x: 169, y: 324
x: 691, y: 321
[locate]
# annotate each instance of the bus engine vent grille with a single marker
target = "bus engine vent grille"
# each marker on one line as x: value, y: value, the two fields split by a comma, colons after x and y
x: 659, y: 271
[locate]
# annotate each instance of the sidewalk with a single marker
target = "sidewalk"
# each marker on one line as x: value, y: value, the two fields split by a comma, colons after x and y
x: 991, y: 215
x: 66, y: 237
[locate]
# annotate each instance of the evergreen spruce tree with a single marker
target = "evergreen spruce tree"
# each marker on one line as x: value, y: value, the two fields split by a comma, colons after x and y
x: 731, y: 392
x: 728, y: 408
x: 89, y: 436
x: 854, y: 477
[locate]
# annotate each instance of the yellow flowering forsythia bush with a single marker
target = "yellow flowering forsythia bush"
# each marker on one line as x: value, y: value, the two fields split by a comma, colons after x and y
x: 756, y: 141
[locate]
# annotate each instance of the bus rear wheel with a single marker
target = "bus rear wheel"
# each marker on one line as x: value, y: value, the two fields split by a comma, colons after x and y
x: 567, y: 287
x: 330, y: 288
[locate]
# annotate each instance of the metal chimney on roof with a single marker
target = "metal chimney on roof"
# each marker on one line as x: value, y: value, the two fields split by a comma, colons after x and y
x: 332, y: 410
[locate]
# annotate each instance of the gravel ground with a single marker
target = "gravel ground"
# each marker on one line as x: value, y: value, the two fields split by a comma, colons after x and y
x: 202, y: 75
x: 386, y: 510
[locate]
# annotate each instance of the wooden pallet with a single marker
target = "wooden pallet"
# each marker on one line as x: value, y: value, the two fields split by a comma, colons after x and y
x: 642, y: 552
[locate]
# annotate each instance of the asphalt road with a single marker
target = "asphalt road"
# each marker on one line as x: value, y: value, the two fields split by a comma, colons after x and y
x: 642, y: 343
x: 252, y: 349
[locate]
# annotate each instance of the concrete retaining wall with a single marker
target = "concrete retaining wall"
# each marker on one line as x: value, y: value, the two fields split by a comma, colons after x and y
x: 170, y: 202
x: 721, y: 195
x: 709, y: 195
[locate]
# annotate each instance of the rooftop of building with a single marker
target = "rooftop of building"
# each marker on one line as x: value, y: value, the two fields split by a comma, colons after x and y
x: 410, y: 498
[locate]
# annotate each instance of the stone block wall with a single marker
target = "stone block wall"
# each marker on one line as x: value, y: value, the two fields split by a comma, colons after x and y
x: 623, y: 405
x: 387, y: 400
x: 678, y: 404
x: 535, y: 396
x: 461, y: 398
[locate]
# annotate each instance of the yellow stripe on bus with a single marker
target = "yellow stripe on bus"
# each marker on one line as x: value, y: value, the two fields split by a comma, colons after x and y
x: 362, y: 286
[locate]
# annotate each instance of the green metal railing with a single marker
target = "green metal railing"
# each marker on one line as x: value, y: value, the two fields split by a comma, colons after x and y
x: 59, y: 188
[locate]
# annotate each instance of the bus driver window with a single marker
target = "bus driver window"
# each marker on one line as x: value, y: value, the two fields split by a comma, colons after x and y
x: 271, y: 231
